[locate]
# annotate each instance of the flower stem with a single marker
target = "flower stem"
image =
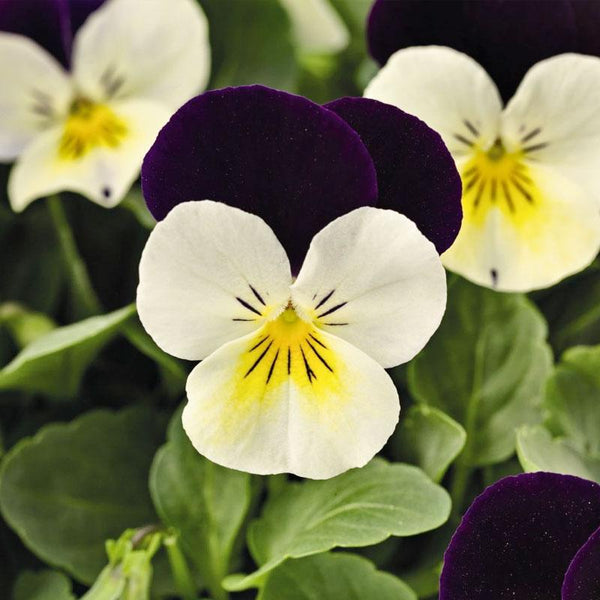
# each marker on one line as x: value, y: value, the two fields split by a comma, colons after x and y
x: 85, y: 300
x: 184, y: 581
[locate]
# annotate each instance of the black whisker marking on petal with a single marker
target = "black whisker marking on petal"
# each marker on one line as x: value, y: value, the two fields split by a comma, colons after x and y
x: 243, y: 320
x: 471, y: 127
x: 479, y: 193
x: 523, y: 191
x: 531, y: 134
x: 324, y: 299
x: 248, y: 306
x: 261, y: 341
x: 509, y: 200
x: 257, y: 295
x: 272, y: 367
x: 335, y: 324
x: 469, y: 171
x: 521, y: 176
x: 318, y: 341
x: 463, y: 140
x: 319, y: 356
x: 309, y: 372
x: 289, y: 361
x: 473, y: 181
x: 494, y: 275
x: 494, y: 188
x: 535, y: 147
x: 332, y: 310
x: 258, y: 359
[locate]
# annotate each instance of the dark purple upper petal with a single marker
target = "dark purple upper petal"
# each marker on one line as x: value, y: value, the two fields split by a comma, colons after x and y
x: 50, y: 23
x: 518, y: 537
x: 506, y: 38
x: 582, y: 581
x: 416, y: 174
x: 280, y: 156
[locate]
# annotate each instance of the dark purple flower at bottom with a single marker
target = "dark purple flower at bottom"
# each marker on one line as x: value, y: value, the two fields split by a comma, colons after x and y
x: 525, y: 538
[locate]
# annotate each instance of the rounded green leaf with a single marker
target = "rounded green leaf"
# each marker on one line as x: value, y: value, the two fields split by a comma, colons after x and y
x: 72, y: 486
x: 429, y: 439
x: 42, y: 585
x: 485, y: 367
x: 359, y: 508
x: 333, y: 576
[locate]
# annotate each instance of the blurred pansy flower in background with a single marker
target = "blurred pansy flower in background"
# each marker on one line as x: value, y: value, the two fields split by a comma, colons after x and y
x: 528, y: 537
x: 82, y: 118
x: 531, y: 198
x: 248, y: 185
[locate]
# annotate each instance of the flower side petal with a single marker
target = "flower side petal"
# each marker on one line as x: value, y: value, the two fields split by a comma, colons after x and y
x: 446, y: 89
x: 518, y: 537
x: 35, y: 93
x: 103, y: 173
x: 416, y: 175
x: 282, y: 157
x: 582, y: 580
x: 373, y: 279
x: 209, y: 274
x: 153, y: 49
x: 555, y: 121
x: 278, y: 408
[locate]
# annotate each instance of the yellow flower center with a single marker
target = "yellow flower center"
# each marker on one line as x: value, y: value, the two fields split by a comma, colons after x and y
x: 90, y: 125
x: 497, y: 178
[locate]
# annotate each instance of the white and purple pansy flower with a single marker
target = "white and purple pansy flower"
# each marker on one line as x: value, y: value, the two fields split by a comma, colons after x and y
x: 531, y: 198
x: 274, y: 264
x: 528, y: 537
x: 81, y: 112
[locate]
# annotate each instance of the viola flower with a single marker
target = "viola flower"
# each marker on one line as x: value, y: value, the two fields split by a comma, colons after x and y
x: 531, y: 198
x: 506, y: 38
x: 87, y: 129
x: 528, y: 537
x: 292, y: 378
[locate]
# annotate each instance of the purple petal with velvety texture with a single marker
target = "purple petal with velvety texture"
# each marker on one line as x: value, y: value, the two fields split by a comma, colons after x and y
x: 416, y: 174
x: 582, y: 581
x: 280, y: 156
x: 506, y: 38
x: 518, y: 537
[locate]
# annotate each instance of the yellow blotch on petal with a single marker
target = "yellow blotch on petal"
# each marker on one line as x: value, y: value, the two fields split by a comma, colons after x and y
x: 496, y: 178
x: 88, y: 126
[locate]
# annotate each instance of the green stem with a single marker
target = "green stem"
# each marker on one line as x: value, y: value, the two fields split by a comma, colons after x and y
x: 84, y: 296
x: 184, y: 581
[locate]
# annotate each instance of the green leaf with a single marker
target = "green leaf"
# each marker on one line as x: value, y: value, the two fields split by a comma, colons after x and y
x: 205, y: 502
x: 54, y: 363
x: 333, y: 576
x: 72, y: 486
x: 359, y: 508
x: 250, y: 44
x: 429, y: 439
x: 485, y: 367
x: 572, y: 408
x: 42, y: 585
x: 24, y: 325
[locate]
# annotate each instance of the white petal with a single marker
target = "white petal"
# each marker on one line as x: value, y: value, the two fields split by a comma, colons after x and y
x: 446, y: 89
x: 316, y: 26
x: 103, y: 174
x: 210, y: 274
x: 34, y: 93
x: 154, y: 49
x: 556, y: 113
x: 267, y: 421
x: 534, y: 246
x: 373, y: 279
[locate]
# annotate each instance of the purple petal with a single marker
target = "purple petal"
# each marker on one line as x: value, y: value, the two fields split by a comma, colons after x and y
x: 280, y: 156
x: 518, y: 537
x: 506, y: 38
x: 416, y: 174
x: 582, y: 581
x: 50, y: 23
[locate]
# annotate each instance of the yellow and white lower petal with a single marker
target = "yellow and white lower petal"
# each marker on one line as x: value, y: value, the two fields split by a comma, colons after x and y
x: 35, y: 93
x: 210, y: 274
x: 372, y: 278
x: 97, y: 152
x: 290, y: 398
x: 554, y: 118
x: 525, y: 226
x: 447, y: 89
